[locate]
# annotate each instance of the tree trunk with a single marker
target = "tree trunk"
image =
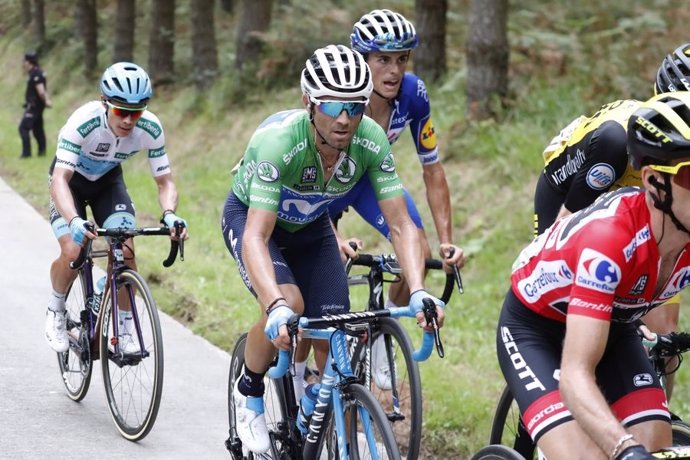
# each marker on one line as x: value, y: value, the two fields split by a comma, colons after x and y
x: 204, y: 50
x: 487, y: 57
x: 430, y: 55
x: 125, y: 20
x: 26, y: 14
x: 227, y: 5
x: 162, y: 42
x: 89, y: 28
x: 255, y: 17
x: 38, y: 29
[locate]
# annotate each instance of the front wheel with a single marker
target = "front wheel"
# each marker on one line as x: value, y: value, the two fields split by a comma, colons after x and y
x: 369, y: 434
x: 508, y: 429
x: 681, y: 433
x: 76, y: 363
x: 132, y: 363
x: 497, y: 452
x: 399, y: 392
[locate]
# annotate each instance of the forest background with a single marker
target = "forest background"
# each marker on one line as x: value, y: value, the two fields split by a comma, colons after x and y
x: 565, y: 59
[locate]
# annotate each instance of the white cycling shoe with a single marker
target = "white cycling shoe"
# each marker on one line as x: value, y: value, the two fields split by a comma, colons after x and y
x: 250, y: 421
x: 380, y: 367
x: 56, y: 330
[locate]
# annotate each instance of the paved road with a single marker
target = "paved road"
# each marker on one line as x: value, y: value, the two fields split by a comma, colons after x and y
x: 37, y: 419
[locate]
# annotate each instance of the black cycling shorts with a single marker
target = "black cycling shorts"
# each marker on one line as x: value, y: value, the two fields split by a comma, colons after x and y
x: 107, y: 197
x: 308, y: 258
x: 529, y: 348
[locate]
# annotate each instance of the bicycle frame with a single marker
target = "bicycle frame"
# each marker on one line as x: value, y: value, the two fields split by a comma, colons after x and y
x: 336, y: 374
x: 338, y: 371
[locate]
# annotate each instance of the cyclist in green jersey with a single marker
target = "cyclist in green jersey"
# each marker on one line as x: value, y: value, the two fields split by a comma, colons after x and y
x: 276, y: 224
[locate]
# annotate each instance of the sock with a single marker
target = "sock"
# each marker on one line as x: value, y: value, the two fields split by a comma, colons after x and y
x: 125, y: 322
x: 300, y: 367
x: 389, y: 304
x: 251, y: 383
x: 56, y: 302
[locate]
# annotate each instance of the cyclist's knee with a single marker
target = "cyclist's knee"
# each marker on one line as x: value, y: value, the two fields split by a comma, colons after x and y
x: 69, y: 250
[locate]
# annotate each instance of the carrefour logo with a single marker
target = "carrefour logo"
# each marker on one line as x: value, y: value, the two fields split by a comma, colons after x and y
x: 598, y: 272
x: 547, y: 276
x: 677, y: 283
x: 600, y: 176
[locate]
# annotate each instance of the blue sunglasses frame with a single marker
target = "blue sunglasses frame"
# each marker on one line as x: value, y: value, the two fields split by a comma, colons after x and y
x: 334, y: 108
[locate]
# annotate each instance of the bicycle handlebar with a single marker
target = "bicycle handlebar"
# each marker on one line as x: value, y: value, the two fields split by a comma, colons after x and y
x: 423, y: 353
x: 388, y: 264
x: 671, y: 344
x: 123, y: 234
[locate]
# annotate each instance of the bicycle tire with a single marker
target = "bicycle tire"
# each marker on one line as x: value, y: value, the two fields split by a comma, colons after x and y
x: 506, y: 427
x: 277, y: 413
x: 76, y: 365
x: 133, y: 383
x: 681, y: 433
x: 405, y: 411
x: 497, y: 452
x: 368, y: 413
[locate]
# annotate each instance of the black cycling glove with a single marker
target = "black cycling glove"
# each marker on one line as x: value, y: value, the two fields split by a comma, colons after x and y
x: 637, y: 452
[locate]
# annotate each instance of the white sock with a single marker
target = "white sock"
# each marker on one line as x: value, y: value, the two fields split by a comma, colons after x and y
x: 125, y: 322
x: 390, y: 304
x: 56, y: 302
x: 300, y: 367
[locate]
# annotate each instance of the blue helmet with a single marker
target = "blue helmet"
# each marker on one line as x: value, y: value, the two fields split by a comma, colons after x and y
x: 126, y: 82
x: 383, y: 30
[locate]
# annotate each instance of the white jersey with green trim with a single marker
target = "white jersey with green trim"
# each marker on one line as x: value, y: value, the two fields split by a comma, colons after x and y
x: 87, y: 145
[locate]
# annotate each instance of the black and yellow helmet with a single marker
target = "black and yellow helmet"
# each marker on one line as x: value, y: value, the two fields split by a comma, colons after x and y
x: 659, y: 131
x: 674, y: 72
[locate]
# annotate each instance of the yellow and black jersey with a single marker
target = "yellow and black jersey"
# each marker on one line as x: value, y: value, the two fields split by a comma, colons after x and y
x: 591, y: 152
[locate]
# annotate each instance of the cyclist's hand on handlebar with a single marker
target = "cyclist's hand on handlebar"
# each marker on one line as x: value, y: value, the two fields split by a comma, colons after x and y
x: 349, y: 247
x: 416, y: 304
x: 79, y: 230
x: 169, y: 219
x: 637, y: 452
x: 276, y: 326
x: 452, y: 255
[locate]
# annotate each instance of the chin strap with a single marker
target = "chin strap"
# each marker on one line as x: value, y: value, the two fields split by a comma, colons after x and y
x: 665, y: 205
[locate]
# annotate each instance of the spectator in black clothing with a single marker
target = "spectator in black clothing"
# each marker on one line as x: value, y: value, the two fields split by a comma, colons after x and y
x: 35, y: 100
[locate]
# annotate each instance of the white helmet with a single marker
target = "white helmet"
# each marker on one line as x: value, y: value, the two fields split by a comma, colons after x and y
x: 336, y: 71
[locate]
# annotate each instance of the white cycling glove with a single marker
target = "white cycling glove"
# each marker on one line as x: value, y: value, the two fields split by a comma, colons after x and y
x: 170, y: 218
x: 77, y: 228
x: 416, y: 298
x: 278, y: 316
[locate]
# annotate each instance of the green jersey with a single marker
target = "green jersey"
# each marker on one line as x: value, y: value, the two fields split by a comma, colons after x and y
x: 281, y: 169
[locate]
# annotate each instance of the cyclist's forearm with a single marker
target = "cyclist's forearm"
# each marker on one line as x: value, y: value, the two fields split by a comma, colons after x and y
x: 410, y: 254
x: 438, y: 198
x: 62, y: 196
x: 583, y: 398
x: 260, y: 270
x: 167, y: 192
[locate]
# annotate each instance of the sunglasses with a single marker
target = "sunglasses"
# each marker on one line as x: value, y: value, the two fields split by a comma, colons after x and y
x: 334, y: 108
x: 123, y: 112
x: 681, y: 174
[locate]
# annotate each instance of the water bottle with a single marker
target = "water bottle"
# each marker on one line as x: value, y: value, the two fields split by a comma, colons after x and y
x: 97, y: 294
x: 306, y: 406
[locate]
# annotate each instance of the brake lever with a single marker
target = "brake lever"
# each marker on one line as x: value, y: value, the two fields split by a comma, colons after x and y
x: 431, y: 317
x: 179, y: 225
x: 456, y: 272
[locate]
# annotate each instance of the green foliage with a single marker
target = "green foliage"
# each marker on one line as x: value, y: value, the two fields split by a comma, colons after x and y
x: 566, y: 59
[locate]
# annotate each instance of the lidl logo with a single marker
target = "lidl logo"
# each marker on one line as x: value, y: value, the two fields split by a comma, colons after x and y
x: 427, y: 136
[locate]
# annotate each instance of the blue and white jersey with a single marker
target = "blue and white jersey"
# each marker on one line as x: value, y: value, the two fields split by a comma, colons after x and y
x: 87, y: 145
x: 411, y: 107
